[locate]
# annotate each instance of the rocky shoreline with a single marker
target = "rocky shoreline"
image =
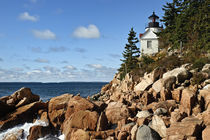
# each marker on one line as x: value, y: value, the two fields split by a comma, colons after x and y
x: 167, y: 105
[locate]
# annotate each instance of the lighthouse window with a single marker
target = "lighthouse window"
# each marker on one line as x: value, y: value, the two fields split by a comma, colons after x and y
x: 149, y: 44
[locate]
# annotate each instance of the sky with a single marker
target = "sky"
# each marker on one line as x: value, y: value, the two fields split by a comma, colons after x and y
x: 68, y: 40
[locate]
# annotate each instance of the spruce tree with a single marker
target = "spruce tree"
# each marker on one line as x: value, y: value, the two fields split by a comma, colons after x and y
x: 130, y: 55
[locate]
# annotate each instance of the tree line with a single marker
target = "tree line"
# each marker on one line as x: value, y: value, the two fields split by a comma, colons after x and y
x: 186, y: 22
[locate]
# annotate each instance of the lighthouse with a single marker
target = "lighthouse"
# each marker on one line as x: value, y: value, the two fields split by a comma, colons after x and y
x: 149, y: 40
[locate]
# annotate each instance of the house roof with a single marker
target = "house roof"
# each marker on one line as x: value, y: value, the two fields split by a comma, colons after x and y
x: 149, y: 34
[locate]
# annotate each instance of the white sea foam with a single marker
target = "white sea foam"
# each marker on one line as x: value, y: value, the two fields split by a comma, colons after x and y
x: 26, y: 128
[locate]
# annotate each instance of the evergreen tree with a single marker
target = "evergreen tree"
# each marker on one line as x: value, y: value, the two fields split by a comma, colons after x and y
x: 186, y: 21
x: 130, y: 55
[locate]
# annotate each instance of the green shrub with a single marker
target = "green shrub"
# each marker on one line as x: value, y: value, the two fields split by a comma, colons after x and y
x: 199, y: 63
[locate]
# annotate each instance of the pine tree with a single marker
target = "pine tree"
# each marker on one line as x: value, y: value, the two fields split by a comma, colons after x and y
x: 130, y: 55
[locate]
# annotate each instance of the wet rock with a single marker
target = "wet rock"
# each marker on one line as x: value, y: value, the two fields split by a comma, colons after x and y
x: 15, y: 135
x: 21, y: 115
x: 145, y: 132
x: 38, y: 131
x: 44, y: 117
x: 57, y: 109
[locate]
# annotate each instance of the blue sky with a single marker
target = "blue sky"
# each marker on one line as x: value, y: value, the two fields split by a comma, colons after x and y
x: 67, y: 40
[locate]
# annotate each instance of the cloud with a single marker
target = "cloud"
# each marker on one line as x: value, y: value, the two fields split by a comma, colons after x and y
x: 36, y: 49
x: 1, y: 60
x: 70, y: 67
x: 80, y: 50
x: 44, y: 34
x: 39, y: 60
x: 115, y: 55
x: 87, y: 32
x: 55, y: 74
x: 94, y: 66
x: 50, y: 69
x: 49, y: 50
x: 27, y: 16
x: 58, y: 49
x: 64, y: 62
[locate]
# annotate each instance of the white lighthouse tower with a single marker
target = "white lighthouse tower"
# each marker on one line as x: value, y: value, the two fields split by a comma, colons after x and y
x: 149, y: 40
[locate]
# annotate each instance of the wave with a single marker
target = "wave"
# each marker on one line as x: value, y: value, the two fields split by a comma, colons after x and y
x: 26, y: 127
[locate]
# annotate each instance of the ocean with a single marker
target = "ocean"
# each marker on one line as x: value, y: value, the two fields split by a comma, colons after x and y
x: 49, y: 90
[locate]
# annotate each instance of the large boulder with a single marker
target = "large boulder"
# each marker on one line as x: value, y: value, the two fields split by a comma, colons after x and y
x: 38, y: 131
x: 177, y: 116
x: 85, y: 120
x: 21, y: 115
x: 166, y: 82
x: 149, y: 79
x: 116, y: 111
x: 180, y: 73
x: 158, y: 125
x: 143, y: 85
x: 57, y: 108
x: 168, y: 105
x: 21, y: 97
x: 188, y: 101
x: 78, y: 103
x: 78, y: 134
x: 190, y: 126
x: 146, y: 133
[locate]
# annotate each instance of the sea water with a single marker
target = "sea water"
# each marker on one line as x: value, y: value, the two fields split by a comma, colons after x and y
x: 49, y: 90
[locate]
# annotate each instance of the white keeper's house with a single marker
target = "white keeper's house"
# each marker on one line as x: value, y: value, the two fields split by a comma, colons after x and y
x: 149, y: 40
